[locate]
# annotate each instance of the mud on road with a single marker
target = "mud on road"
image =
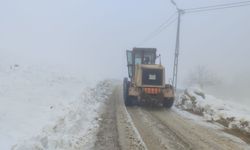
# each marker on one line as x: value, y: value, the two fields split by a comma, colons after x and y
x: 142, y: 128
x: 117, y: 131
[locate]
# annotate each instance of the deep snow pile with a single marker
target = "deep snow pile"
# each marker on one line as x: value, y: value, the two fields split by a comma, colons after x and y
x: 230, y: 115
x: 33, y: 98
x: 76, y: 129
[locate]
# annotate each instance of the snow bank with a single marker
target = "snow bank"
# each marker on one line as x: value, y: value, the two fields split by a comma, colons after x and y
x: 230, y: 115
x: 31, y: 97
x: 76, y: 129
x: 34, y: 97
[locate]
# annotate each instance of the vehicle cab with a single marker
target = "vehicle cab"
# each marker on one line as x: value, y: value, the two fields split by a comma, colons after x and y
x: 138, y: 56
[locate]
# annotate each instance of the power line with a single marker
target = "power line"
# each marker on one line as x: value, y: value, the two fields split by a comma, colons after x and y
x: 159, y: 29
x: 194, y: 10
x: 169, y: 21
x: 217, y: 7
x: 204, y: 10
x: 162, y: 29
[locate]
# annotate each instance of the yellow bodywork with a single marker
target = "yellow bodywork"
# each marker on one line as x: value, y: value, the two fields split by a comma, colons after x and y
x: 138, y: 74
x: 137, y: 89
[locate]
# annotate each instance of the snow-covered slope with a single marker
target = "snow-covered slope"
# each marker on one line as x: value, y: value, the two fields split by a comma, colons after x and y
x: 231, y: 115
x: 77, y: 128
x: 41, y: 107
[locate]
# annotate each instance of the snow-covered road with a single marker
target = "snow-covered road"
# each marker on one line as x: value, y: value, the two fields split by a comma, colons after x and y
x: 159, y: 128
x: 42, y: 110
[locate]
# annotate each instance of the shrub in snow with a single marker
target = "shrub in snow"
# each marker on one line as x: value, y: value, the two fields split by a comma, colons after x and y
x: 190, y: 99
x: 231, y: 116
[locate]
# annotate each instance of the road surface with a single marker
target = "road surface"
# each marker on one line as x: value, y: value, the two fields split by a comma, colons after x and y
x: 142, y: 128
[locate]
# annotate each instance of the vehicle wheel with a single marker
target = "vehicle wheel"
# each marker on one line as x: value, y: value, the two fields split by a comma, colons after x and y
x: 131, y: 101
x: 127, y: 99
x: 168, y: 102
x: 125, y: 88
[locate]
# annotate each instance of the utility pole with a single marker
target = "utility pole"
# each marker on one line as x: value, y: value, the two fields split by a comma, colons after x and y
x: 177, y: 46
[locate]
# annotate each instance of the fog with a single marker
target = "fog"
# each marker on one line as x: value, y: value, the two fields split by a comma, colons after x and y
x: 91, y: 37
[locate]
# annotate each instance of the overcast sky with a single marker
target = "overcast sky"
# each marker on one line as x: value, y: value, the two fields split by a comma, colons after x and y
x: 92, y: 35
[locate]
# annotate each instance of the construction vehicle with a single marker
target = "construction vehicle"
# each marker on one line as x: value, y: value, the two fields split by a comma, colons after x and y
x: 146, y: 82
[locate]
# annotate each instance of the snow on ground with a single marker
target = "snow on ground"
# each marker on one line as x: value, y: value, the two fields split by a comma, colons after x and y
x: 46, y: 109
x: 230, y: 115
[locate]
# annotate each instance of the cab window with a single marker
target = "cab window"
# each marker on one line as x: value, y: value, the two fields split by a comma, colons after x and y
x: 138, y: 59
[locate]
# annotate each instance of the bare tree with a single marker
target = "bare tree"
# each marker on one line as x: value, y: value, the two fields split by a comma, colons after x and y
x: 203, y: 77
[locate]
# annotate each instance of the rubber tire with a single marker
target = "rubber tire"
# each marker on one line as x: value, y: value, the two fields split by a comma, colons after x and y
x: 127, y: 99
x: 168, y: 103
x: 125, y: 88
